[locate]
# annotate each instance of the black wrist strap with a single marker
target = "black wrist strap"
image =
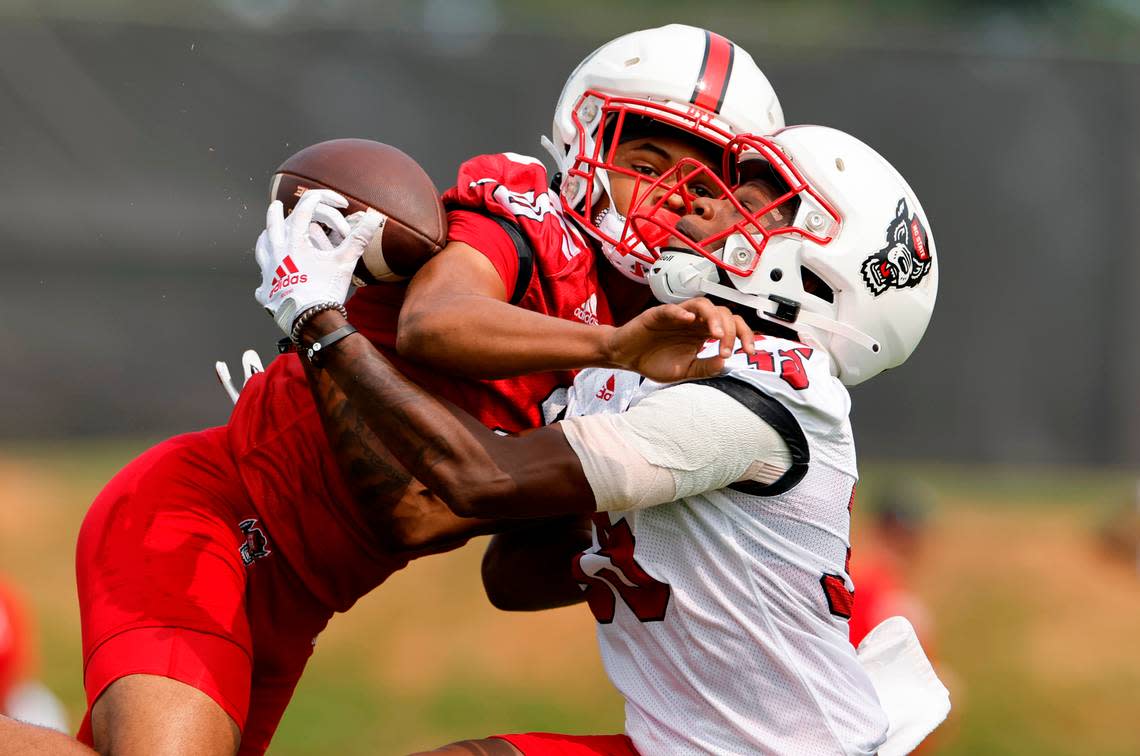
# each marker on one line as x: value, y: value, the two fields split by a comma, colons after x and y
x: 316, y: 350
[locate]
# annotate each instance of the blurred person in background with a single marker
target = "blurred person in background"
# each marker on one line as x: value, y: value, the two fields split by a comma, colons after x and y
x: 883, y: 565
x: 720, y: 507
x: 23, y: 697
x: 209, y: 565
x: 885, y: 570
x: 1120, y: 533
x: 32, y: 719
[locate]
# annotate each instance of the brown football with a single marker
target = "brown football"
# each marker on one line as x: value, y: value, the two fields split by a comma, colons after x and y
x: 378, y: 176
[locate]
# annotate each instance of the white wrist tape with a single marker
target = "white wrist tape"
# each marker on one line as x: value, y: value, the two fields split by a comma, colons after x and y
x: 677, y: 442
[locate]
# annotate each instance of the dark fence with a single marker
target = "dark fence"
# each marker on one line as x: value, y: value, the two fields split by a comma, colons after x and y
x: 135, y: 163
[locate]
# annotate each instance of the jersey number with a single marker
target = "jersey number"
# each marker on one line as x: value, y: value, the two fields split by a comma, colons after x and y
x: 840, y: 601
x: 791, y: 364
x: 613, y: 569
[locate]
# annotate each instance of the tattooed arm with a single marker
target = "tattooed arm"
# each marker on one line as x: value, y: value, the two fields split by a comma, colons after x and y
x: 524, y: 569
x: 404, y: 515
x: 476, y: 472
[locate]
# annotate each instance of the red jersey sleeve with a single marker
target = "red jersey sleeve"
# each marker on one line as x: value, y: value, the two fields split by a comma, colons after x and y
x: 487, y: 236
x: 516, y: 188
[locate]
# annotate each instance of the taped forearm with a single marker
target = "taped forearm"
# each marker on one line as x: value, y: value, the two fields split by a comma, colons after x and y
x: 620, y: 475
x: 678, y: 442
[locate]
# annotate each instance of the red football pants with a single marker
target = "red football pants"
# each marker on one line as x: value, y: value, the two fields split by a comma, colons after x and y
x: 177, y: 579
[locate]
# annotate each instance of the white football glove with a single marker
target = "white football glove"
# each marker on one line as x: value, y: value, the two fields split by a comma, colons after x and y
x: 300, y: 267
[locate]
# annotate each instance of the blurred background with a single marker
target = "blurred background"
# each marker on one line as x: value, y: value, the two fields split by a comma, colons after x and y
x: 137, y: 140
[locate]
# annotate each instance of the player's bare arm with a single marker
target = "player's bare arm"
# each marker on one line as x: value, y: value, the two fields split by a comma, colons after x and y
x: 472, y: 469
x: 29, y: 740
x: 524, y: 569
x: 456, y: 314
x: 475, y: 471
x: 405, y: 514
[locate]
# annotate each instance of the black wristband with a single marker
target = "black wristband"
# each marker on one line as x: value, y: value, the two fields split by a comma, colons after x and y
x: 316, y: 349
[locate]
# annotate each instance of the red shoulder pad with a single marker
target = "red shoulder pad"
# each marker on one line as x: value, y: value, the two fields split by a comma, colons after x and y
x: 516, y: 187
x: 502, y: 183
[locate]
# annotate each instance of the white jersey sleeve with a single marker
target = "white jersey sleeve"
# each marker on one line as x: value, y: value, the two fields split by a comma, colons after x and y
x: 678, y: 442
x: 790, y: 386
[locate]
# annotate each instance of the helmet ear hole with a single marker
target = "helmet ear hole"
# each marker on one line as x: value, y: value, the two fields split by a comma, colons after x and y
x: 815, y: 286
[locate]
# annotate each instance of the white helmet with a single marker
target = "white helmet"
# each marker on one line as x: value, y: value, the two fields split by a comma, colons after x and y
x: 681, y: 76
x: 855, y: 272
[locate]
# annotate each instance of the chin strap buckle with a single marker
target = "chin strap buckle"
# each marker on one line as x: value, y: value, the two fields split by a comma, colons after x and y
x: 786, y: 310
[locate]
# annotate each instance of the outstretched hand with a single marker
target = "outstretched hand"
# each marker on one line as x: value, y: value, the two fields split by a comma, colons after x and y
x: 662, y: 343
x: 300, y: 266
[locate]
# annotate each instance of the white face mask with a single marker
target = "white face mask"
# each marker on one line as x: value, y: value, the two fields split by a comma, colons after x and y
x: 612, y: 224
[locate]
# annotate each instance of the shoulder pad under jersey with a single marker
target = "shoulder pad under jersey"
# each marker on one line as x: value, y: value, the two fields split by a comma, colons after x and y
x: 516, y: 188
x: 794, y: 374
x: 601, y: 391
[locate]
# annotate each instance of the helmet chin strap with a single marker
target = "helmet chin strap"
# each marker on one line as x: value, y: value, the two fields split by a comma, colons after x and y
x: 788, y: 312
x: 558, y: 155
x: 574, y: 187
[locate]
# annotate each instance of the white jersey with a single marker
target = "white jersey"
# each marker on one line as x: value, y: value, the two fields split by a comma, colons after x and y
x: 723, y: 616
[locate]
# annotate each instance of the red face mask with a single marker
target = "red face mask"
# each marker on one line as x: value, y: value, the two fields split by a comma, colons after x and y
x: 692, y: 208
x: 595, y: 163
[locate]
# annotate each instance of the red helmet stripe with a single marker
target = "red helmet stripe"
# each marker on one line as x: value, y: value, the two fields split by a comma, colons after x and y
x: 716, y: 68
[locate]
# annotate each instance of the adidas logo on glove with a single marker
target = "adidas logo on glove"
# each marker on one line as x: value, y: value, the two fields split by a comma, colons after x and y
x: 287, y: 275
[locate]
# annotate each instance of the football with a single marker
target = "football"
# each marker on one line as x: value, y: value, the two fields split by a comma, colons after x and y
x: 372, y: 175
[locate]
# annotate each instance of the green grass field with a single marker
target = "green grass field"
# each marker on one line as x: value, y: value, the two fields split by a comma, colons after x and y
x: 1037, y: 624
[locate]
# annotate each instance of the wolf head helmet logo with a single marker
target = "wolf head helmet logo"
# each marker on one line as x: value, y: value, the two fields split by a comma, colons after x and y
x: 904, y: 260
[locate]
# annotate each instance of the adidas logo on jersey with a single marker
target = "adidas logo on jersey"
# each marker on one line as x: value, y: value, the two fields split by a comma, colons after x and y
x: 587, y: 312
x: 605, y: 393
x: 287, y: 275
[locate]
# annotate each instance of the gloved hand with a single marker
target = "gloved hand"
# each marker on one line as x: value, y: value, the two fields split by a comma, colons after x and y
x: 300, y: 266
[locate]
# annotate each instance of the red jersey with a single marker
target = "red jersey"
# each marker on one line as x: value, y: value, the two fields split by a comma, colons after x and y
x: 275, y: 431
x: 563, y: 282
